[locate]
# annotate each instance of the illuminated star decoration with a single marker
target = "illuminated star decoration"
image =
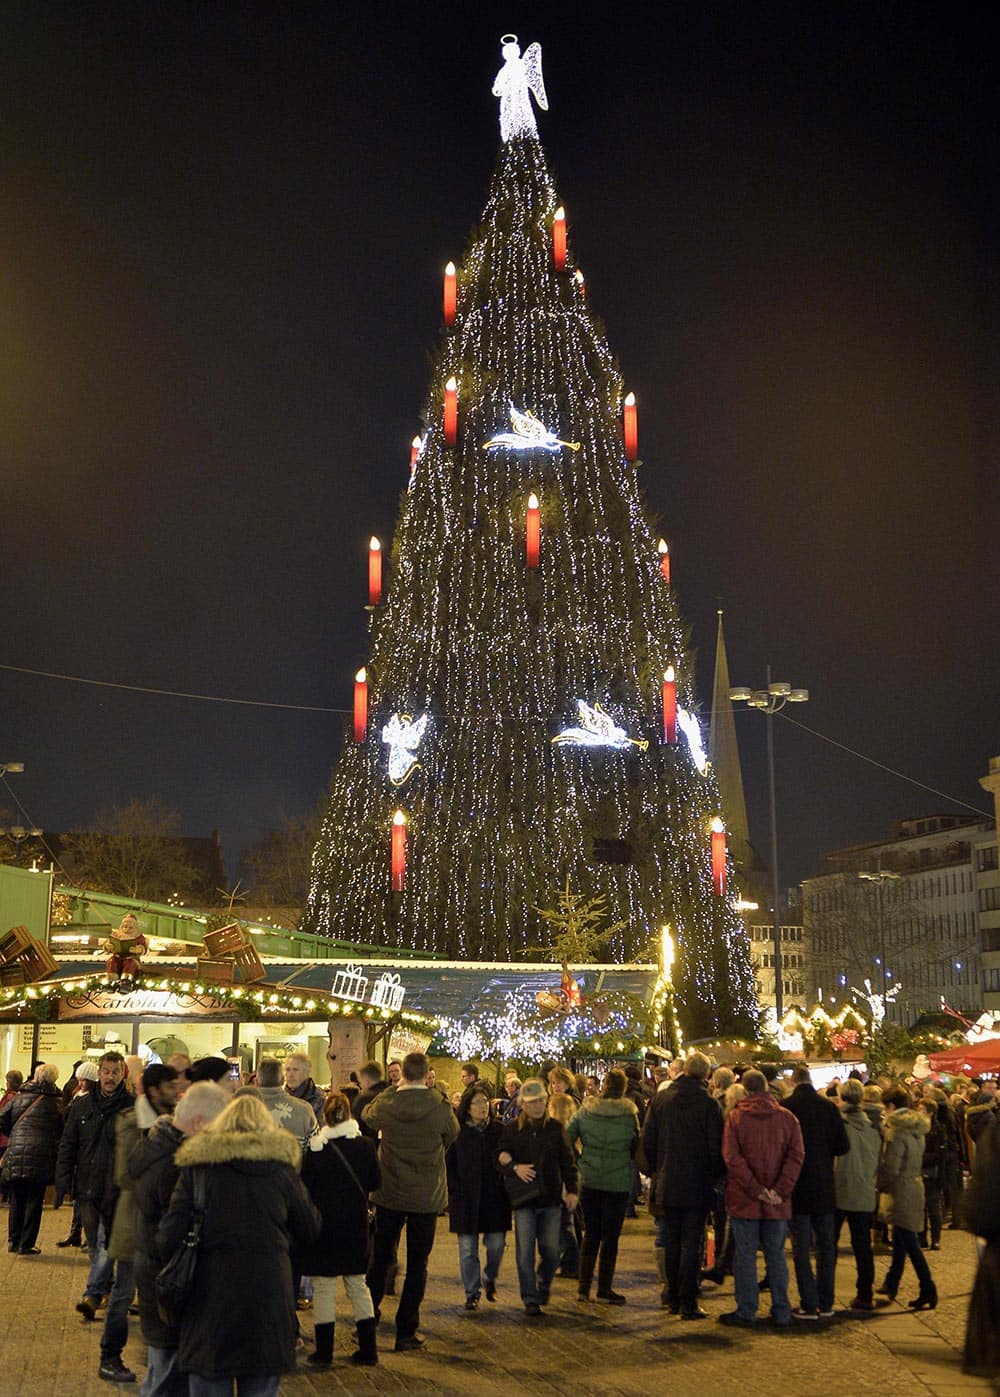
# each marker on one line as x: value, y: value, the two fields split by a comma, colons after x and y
x: 597, y: 730
x: 402, y: 735
x: 529, y: 435
x: 515, y: 80
x: 691, y: 729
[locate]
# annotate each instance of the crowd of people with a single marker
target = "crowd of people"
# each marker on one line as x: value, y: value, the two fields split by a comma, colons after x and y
x: 293, y: 1187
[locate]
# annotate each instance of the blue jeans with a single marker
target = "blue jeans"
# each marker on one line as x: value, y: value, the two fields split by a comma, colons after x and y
x: 468, y: 1260
x: 815, y: 1292
x: 162, y: 1376
x: 223, y: 1387
x: 768, y: 1233
x: 101, y: 1265
x: 536, y: 1226
x: 115, y: 1335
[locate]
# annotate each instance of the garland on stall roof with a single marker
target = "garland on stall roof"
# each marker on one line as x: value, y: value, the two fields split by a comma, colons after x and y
x: 253, y: 1001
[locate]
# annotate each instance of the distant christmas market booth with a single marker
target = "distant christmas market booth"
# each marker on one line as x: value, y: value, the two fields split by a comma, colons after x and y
x: 162, y: 982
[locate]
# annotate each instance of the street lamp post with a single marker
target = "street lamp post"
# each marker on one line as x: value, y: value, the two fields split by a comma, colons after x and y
x: 879, y: 877
x: 770, y: 701
x: 19, y: 834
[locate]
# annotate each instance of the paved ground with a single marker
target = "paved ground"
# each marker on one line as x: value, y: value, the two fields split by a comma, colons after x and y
x: 46, y: 1348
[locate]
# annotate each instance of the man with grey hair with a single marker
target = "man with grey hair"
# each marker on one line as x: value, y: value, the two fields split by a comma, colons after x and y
x: 153, y: 1173
x: 682, y: 1141
x: 763, y: 1151
x: 287, y: 1111
x: 299, y: 1083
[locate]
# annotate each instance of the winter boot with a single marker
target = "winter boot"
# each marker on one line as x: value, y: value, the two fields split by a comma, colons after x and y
x: 323, y: 1356
x: 73, y: 1240
x: 585, y: 1275
x: 367, y: 1352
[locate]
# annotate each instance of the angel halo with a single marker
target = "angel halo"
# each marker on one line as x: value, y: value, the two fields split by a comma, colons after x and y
x: 516, y: 81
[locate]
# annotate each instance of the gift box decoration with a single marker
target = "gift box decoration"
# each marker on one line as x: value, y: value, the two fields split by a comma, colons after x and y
x: 387, y: 992
x: 350, y: 983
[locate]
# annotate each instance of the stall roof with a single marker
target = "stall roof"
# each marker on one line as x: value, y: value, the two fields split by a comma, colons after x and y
x: 450, y: 989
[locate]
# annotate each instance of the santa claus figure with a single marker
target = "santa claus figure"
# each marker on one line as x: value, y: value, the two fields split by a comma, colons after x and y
x: 125, y: 948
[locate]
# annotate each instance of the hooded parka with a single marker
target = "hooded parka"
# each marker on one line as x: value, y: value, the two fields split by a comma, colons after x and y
x: 899, y: 1175
x: 607, y: 1128
x: 240, y: 1318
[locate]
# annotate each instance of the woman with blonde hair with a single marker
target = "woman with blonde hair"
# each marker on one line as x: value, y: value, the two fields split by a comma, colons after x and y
x: 239, y: 1322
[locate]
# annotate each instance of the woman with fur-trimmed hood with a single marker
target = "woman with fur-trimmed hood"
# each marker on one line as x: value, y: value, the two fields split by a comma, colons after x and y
x: 240, y: 1318
x: 901, y: 1190
x: 607, y: 1127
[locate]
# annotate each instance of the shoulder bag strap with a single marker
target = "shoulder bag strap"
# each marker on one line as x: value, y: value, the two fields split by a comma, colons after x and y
x: 343, y: 1159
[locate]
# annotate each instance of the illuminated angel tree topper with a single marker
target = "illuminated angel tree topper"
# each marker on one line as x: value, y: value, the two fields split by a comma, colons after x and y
x: 501, y: 656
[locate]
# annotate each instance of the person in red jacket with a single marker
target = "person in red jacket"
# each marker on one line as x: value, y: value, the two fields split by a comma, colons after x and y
x: 763, y: 1150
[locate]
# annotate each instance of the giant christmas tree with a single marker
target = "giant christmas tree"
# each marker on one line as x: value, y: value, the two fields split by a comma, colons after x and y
x: 513, y: 711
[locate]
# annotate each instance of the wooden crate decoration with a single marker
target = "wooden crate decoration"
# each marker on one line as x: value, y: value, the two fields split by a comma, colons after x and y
x: 11, y: 975
x: 217, y: 972
x: 37, y: 961
x: 249, y: 964
x: 224, y: 941
x: 13, y: 943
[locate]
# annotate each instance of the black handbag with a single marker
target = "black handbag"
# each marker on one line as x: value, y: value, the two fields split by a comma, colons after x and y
x: 519, y: 1192
x: 175, y: 1279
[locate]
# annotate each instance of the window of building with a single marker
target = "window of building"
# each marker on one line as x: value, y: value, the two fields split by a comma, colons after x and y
x: 987, y: 858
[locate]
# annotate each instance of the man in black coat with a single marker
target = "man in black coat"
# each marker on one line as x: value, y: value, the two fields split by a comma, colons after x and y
x: 682, y: 1141
x: 85, y: 1168
x: 372, y: 1085
x: 814, y: 1200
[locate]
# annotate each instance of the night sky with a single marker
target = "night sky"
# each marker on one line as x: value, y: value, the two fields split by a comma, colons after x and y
x: 223, y: 229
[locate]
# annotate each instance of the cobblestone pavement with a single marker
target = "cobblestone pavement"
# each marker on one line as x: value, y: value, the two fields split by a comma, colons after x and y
x: 48, y: 1349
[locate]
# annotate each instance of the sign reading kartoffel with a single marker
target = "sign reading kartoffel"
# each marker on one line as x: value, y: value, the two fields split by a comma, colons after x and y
x: 158, y: 1002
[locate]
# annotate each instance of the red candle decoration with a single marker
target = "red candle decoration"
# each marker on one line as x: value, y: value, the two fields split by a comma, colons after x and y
x: 669, y: 707
x: 360, y: 705
x: 581, y: 284
x: 718, y: 857
x: 664, y: 553
x: 450, y: 412
x: 559, y: 239
x: 414, y: 453
x: 398, y: 851
x: 631, y: 429
x: 450, y: 294
x: 533, y: 534
x: 374, y: 572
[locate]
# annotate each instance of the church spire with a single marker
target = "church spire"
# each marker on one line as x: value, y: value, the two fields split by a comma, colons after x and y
x: 724, y: 754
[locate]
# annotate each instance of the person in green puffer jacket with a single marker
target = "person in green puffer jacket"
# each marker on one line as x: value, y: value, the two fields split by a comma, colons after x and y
x: 607, y: 1127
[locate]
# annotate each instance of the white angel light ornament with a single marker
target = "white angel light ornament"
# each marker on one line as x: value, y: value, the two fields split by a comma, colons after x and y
x: 402, y: 735
x: 528, y: 434
x: 691, y: 729
x: 515, y: 81
x: 597, y: 729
